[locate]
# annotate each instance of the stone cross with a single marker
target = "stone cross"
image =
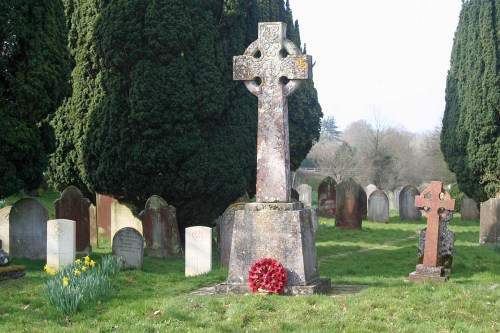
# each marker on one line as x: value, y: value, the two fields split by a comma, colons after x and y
x: 271, y: 68
x: 430, y: 201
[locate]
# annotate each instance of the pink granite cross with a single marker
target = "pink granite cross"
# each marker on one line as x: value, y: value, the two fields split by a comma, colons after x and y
x: 431, y: 200
x: 271, y: 68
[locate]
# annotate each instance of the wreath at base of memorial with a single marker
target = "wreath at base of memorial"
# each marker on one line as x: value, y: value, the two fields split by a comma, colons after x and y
x: 267, y: 275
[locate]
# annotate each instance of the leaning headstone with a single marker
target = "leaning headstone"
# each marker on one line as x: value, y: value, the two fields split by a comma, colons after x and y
x: 468, y: 209
x: 274, y: 226
x: 225, y: 225
x: 73, y: 206
x: 446, y: 243
x: 4, y: 227
x: 61, y: 243
x: 327, y: 201
x: 407, y: 209
x: 305, y: 195
x: 489, y: 220
x: 348, y: 205
x: 378, y: 207
x: 431, y: 201
x: 28, y: 230
x: 159, y: 221
x: 129, y: 245
x: 121, y: 217
x: 103, y: 204
x: 198, y: 250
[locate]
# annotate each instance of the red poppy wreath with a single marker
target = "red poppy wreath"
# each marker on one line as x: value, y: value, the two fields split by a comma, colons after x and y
x: 267, y: 275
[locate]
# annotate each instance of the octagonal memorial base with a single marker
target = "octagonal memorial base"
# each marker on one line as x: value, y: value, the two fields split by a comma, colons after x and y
x: 283, y: 231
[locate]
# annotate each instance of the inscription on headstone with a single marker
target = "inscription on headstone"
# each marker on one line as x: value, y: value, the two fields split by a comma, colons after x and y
x: 198, y: 250
x: 28, y: 230
x: 129, y: 245
x: 61, y: 243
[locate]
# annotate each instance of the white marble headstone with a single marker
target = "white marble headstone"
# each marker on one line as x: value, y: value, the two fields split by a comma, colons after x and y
x: 198, y: 250
x: 61, y: 243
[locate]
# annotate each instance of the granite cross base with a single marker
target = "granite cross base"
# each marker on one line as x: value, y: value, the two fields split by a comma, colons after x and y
x: 282, y: 231
x: 426, y: 273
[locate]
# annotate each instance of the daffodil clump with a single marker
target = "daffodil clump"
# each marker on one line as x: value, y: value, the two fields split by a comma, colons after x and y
x: 81, y: 282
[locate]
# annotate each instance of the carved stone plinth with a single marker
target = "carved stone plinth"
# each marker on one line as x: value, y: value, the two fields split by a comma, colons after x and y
x: 283, y: 231
x: 425, y: 273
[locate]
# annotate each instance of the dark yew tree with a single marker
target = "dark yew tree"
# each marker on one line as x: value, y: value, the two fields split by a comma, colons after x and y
x: 470, y: 137
x: 34, y: 74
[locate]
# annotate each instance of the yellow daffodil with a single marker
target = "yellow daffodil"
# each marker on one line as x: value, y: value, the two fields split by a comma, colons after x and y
x: 78, y: 261
x: 87, y: 260
x: 77, y: 271
x: 84, y: 268
x: 46, y: 268
x: 52, y: 272
x: 92, y: 263
x: 65, y: 281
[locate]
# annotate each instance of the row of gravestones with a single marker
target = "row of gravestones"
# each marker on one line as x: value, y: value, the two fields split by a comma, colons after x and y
x: 378, y: 202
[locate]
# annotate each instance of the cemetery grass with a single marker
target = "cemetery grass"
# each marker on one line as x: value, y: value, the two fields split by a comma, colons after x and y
x: 377, y: 260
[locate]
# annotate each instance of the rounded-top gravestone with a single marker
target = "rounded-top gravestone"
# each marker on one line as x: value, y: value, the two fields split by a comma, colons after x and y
x: 348, y: 205
x: 468, y: 209
x: 369, y: 189
x: 129, y: 245
x: 407, y: 209
x: 327, y: 201
x: 378, y: 207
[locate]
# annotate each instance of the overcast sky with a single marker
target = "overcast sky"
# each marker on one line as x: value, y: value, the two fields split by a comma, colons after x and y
x: 385, y: 56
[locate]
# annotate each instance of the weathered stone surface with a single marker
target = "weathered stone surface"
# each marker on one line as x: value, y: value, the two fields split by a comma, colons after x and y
x: 363, y: 203
x: 129, y: 245
x: 280, y: 233
x: 103, y: 203
x: 262, y: 59
x: 468, y: 209
x: 378, y: 207
x: 305, y: 195
x: 61, y: 243
x: 225, y: 225
x: 407, y: 209
x: 348, y: 205
x: 369, y: 189
x: 73, y: 206
x: 160, y: 229
x: 4, y: 227
x: 445, y: 246
x: 431, y: 202
x: 327, y: 198
x: 198, y: 250
x: 489, y: 220
x: 396, y: 197
x: 28, y: 230
x: 12, y: 272
x: 121, y: 217
x: 94, y: 228
x: 294, y: 195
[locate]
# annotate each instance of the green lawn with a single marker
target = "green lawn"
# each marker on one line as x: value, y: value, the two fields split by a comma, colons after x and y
x: 380, y: 257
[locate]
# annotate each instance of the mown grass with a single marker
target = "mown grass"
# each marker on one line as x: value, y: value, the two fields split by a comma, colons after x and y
x: 380, y: 257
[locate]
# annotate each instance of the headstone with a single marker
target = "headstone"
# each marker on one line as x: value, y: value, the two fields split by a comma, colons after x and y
x: 489, y: 220
x: 121, y: 217
x: 61, y: 243
x: 160, y: 229
x: 446, y: 243
x: 348, y: 205
x: 73, y: 206
x: 431, y: 202
x: 378, y: 207
x: 273, y: 226
x: 129, y: 245
x: 327, y: 201
x: 225, y: 225
x: 407, y: 209
x: 396, y: 197
x: 103, y: 203
x: 305, y: 195
x: 94, y: 228
x: 468, y: 209
x: 28, y: 230
x: 198, y: 250
x: 369, y: 189
x: 4, y: 227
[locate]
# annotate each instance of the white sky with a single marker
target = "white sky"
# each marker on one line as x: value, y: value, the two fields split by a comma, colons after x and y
x: 388, y: 56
